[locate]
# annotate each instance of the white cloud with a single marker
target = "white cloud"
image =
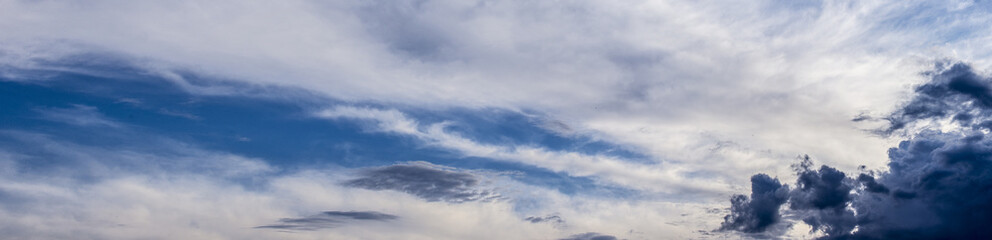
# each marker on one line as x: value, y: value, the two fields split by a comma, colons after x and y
x: 151, y: 155
x: 192, y: 201
x: 661, y: 76
x: 80, y: 115
x: 660, y: 177
x: 204, y: 207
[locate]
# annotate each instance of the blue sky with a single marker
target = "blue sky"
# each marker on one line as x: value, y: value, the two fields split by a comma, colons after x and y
x: 483, y: 119
x: 108, y: 112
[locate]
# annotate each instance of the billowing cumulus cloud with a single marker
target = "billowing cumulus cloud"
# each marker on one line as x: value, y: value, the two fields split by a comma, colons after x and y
x: 756, y: 213
x: 956, y: 91
x: 937, y: 184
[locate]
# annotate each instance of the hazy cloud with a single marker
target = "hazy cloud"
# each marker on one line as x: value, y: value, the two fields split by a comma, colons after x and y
x: 79, y: 115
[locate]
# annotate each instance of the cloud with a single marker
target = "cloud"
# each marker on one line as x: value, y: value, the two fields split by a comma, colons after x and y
x: 134, y: 183
x: 550, y: 218
x: 189, y: 116
x: 424, y: 181
x: 182, y: 191
x: 612, y: 170
x: 590, y: 236
x: 191, y: 202
x: 937, y: 181
x: 157, y: 188
x: 692, y: 84
x: 329, y: 219
x: 955, y: 91
x: 761, y: 210
x: 79, y: 115
x: 127, y: 148
x: 60, y: 158
x: 673, y: 78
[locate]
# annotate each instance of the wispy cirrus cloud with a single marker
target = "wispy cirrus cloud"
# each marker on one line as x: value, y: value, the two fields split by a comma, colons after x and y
x: 614, y: 170
x: 675, y: 79
x: 196, y: 193
x: 106, y: 191
x: 79, y: 115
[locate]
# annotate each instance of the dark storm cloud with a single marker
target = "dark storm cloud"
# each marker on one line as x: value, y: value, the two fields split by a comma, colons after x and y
x: 761, y: 210
x: 820, y: 189
x: 427, y: 182
x: 590, y: 236
x: 329, y: 219
x: 954, y: 90
x: 871, y: 185
x: 823, y: 194
x: 939, y: 184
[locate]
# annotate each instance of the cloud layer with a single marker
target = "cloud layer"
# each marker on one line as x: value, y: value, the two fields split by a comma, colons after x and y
x: 335, y: 105
x: 672, y: 79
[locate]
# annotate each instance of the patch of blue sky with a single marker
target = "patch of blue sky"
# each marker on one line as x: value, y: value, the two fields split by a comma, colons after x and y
x: 282, y: 132
x: 113, y: 78
x: 276, y: 131
x: 948, y: 21
x: 508, y: 128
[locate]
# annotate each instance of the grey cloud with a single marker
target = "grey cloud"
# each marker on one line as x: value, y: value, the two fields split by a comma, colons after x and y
x: 590, y: 236
x: 407, y: 29
x: 824, y: 195
x: 549, y: 218
x: 954, y: 90
x: 939, y: 184
x: 329, y: 219
x: 825, y: 188
x: 761, y: 210
x: 871, y: 185
x: 554, y: 220
x: 424, y: 181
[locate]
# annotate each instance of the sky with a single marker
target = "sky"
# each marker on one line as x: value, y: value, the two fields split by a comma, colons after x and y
x: 495, y: 119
